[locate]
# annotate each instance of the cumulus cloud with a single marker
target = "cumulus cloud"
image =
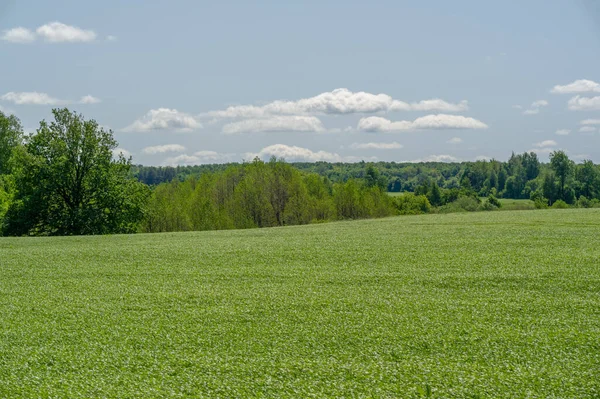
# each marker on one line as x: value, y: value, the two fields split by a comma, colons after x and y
x: 578, y: 86
x: 579, y: 103
x: 440, y: 121
x: 535, y: 106
x: 111, y: 38
x: 482, y: 158
x: 587, y: 129
x: 53, y: 32
x: 31, y: 98
x: 376, y: 146
x: 336, y: 102
x: 164, y: 119
x: 18, y: 35
x: 454, y: 140
x: 213, y: 156
x: 563, y: 132
x: 57, y: 32
x: 89, y: 100
x: 275, y: 124
x: 546, y: 143
x: 200, y: 157
x: 182, y: 159
x: 159, y: 149
x: 590, y: 122
x: 295, y: 154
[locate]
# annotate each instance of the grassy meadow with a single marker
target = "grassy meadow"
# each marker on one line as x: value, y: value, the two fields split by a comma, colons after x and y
x: 469, y: 305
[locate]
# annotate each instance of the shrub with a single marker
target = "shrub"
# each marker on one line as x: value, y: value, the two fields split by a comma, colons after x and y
x: 560, y: 204
x: 410, y: 204
x: 583, y: 202
x: 462, y: 204
x: 494, y: 201
x: 541, y: 203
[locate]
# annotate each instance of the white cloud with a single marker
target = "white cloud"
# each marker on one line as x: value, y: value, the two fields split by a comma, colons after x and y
x: 535, y: 106
x: 431, y: 105
x: 482, y: 158
x: 437, y: 158
x: 182, y: 159
x: 29, y: 98
x: 213, y: 157
x: 590, y: 122
x: 200, y: 157
x: 57, y: 32
x: 89, y: 100
x: 164, y: 119
x: 517, y: 106
x: 111, y: 38
x: 159, y: 149
x: 539, y: 103
x: 295, y: 154
x: 336, y: 102
x: 123, y: 151
x: 440, y: 121
x: 18, y: 35
x: 276, y: 124
x: 546, y: 143
x: 376, y: 146
x: 563, y: 132
x: 578, y: 86
x: 579, y: 103
x: 587, y: 129
x: 454, y: 140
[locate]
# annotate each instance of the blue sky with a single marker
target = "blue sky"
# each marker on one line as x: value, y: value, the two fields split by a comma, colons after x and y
x: 186, y: 82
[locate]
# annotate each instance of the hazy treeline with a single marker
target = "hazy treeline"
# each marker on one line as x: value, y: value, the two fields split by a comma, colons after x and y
x: 523, y: 176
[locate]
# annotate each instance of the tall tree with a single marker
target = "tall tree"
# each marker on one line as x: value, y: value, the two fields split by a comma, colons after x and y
x: 11, y: 136
x: 69, y: 183
x: 562, y: 167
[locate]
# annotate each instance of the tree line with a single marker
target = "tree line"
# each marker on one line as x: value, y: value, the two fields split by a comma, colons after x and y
x: 65, y: 180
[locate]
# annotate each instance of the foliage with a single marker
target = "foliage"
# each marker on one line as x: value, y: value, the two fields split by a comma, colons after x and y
x: 560, y: 204
x: 260, y: 194
x: 410, y: 204
x: 494, y: 201
x: 11, y: 137
x: 69, y: 184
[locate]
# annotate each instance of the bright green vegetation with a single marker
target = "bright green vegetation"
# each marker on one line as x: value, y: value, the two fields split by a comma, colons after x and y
x: 487, y: 304
x: 516, y: 204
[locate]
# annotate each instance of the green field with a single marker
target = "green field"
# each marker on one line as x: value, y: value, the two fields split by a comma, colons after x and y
x: 477, y: 305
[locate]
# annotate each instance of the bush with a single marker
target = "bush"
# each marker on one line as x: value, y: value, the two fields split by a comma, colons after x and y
x: 541, y: 203
x: 462, y: 204
x: 560, y: 204
x: 583, y: 202
x: 494, y: 201
x: 488, y: 206
x: 410, y: 204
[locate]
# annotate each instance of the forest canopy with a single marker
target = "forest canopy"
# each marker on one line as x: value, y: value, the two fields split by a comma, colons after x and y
x: 65, y: 180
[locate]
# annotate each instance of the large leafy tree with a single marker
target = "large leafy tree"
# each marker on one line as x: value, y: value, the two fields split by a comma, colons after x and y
x: 563, y: 168
x: 11, y: 136
x: 70, y: 184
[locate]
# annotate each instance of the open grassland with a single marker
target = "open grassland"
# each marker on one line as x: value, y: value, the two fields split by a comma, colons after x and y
x: 478, y: 305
